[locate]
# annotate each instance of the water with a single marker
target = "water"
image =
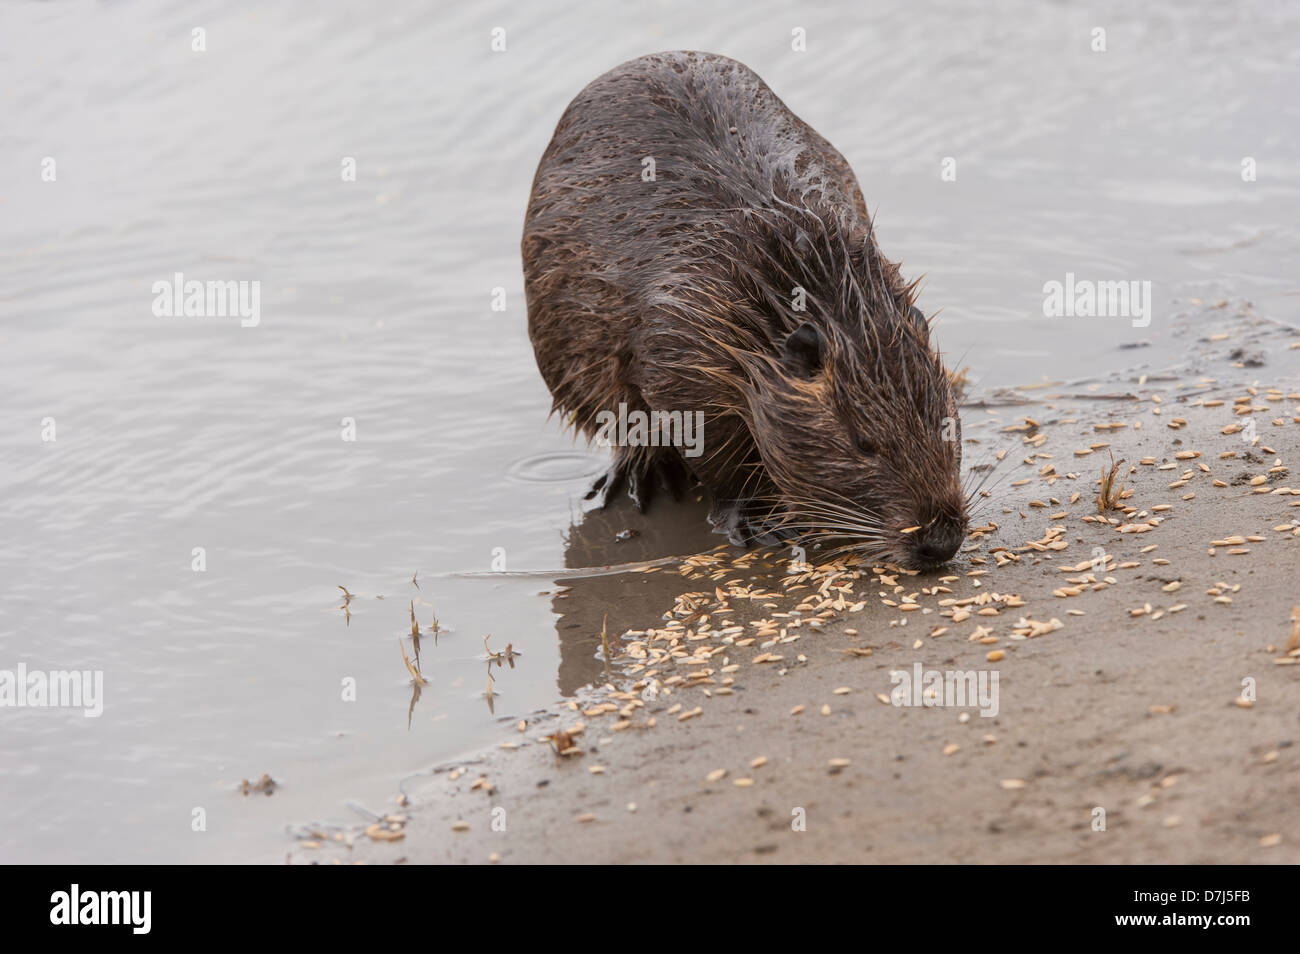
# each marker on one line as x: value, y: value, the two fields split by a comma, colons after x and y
x: 183, y: 433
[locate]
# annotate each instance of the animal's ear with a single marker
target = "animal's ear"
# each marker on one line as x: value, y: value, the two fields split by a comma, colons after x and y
x: 804, y: 349
x: 918, y: 321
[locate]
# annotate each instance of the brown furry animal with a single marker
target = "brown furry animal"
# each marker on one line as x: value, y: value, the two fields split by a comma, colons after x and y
x: 680, y: 291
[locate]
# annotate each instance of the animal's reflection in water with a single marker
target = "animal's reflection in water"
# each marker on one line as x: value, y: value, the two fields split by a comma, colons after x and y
x: 614, y: 535
x: 584, y: 605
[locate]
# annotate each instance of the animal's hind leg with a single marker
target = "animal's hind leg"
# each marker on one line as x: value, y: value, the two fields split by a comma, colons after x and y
x: 607, y: 484
x: 643, y: 471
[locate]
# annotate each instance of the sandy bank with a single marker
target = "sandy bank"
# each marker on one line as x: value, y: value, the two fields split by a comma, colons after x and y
x: 1124, y: 646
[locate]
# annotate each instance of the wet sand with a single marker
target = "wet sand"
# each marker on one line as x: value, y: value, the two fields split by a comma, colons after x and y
x: 1131, y: 706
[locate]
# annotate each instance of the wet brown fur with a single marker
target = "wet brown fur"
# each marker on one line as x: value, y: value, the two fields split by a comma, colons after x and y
x: 676, y: 295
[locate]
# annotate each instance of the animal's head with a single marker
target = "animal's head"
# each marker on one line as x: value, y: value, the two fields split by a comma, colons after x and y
x: 857, y: 425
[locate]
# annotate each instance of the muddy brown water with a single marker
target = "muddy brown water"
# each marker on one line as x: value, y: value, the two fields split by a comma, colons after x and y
x: 376, y: 305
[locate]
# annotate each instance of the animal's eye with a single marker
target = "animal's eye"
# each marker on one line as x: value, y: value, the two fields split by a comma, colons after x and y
x: 866, y: 446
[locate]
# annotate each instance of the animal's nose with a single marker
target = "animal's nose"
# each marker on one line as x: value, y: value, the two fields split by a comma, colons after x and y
x: 939, y: 545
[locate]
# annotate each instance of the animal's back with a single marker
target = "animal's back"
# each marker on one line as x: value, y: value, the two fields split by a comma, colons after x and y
x: 608, y: 250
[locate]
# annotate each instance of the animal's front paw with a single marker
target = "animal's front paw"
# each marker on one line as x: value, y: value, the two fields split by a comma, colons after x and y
x: 747, y: 523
